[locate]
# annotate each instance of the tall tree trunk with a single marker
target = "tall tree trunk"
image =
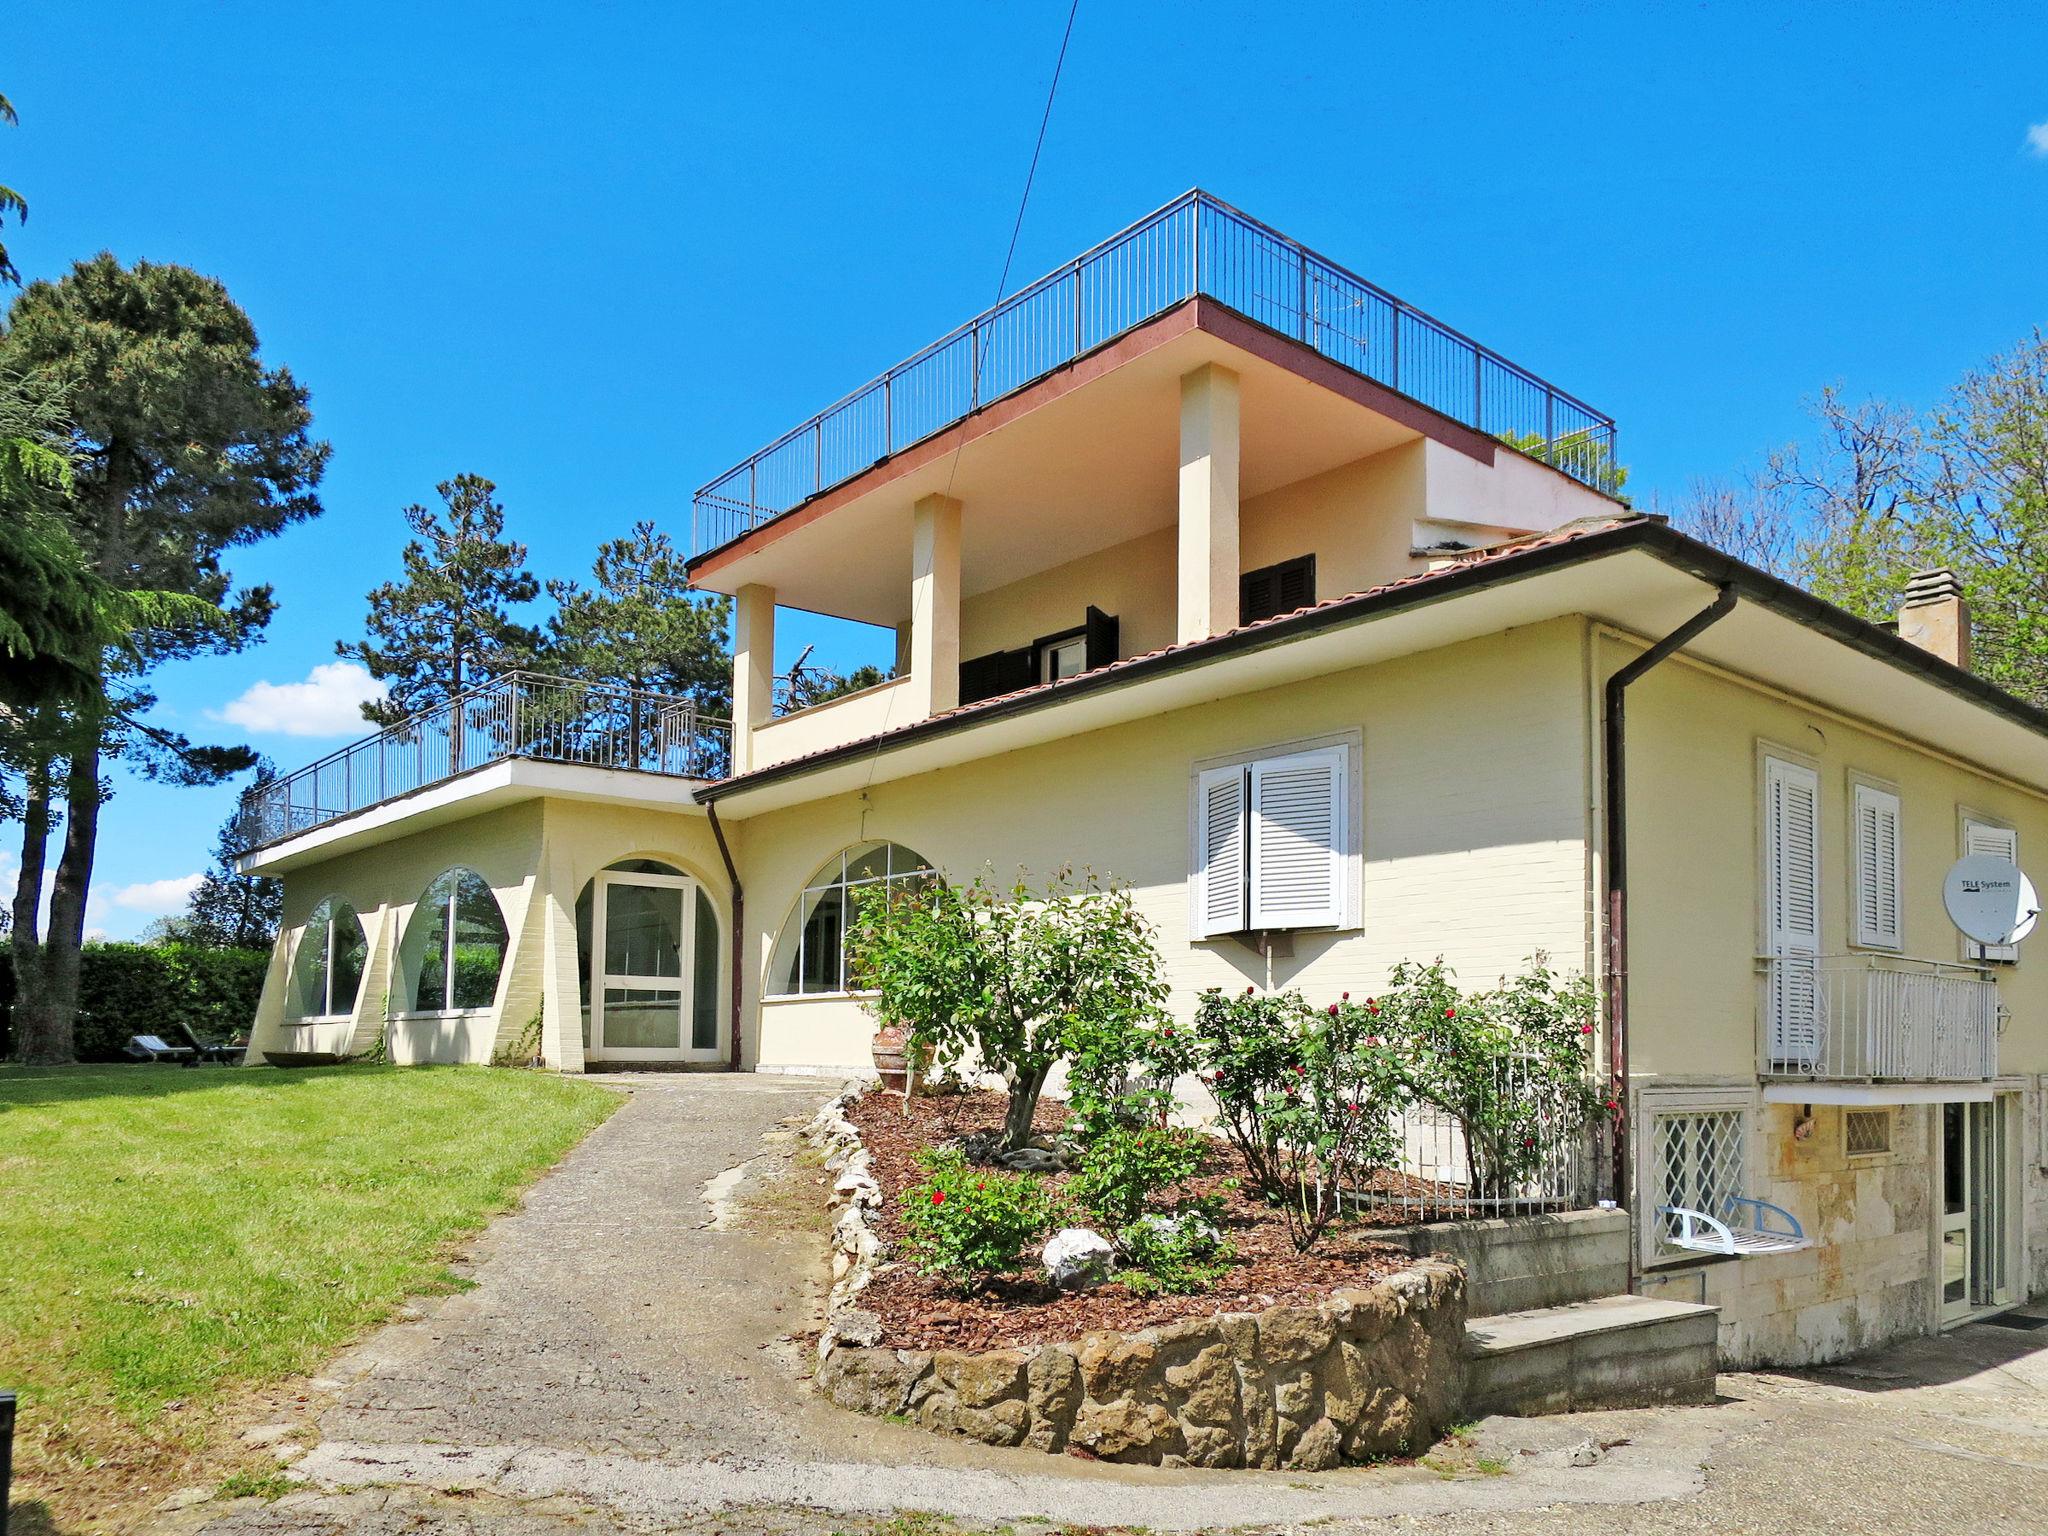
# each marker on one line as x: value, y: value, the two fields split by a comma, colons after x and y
x: 27, y: 912
x: 46, y: 1009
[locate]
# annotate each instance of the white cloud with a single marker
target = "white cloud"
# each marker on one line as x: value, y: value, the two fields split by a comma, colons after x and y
x: 157, y: 897
x: 2037, y: 139
x: 327, y: 703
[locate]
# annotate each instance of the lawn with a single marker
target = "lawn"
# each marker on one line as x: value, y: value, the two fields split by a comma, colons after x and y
x: 172, y: 1240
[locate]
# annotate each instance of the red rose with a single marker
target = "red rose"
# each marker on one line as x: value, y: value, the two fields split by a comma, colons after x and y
x: 1347, y: 997
x: 938, y: 1197
x: 1333, y: 1010
x: 1585, y: 1029
x: 1450, y: 1013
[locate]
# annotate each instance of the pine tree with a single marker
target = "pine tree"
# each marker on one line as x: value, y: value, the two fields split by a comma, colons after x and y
x: 443, y: 626
x: 231, y: 910
x: 184, y: 445
x: 11, y: 201
x: 639, y: 625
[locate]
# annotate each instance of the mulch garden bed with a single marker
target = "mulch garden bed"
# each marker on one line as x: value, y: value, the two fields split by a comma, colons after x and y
x: 918, y: 1312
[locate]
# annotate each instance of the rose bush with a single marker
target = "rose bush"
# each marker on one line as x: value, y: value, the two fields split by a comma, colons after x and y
x: 969, y: 1224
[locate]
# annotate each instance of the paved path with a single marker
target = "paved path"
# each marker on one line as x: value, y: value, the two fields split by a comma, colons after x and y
x: 620, y: 1366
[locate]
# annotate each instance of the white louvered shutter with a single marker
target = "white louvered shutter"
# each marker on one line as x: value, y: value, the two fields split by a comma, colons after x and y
x: 2003, y: 843
x: 1878, y: 896
x: 1298, y: 840
x: 1792, y: 908
x: 1219, y: 893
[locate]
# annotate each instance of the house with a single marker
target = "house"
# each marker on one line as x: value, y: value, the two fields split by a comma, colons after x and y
x: 1220, y: 571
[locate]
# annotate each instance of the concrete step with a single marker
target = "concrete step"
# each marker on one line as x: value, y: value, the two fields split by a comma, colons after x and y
x: 1611, y: 1352
x: 1518, y: 1263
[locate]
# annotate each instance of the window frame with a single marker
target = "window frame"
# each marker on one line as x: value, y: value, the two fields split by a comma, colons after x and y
x: 1653, y: 1104
x: 1044, y: 649
x: 780, y: 956
x: 1350, y: 833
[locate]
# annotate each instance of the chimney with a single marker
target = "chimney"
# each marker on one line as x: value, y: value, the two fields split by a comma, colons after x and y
x: 1935, y: 617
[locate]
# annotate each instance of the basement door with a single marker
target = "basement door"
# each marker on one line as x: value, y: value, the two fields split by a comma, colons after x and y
x: 647, y: 971
x: 1977, y: 1207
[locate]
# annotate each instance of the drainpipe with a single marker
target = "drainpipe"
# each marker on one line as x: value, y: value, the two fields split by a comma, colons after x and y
x: 739, y: 912
x: 1614, y: 857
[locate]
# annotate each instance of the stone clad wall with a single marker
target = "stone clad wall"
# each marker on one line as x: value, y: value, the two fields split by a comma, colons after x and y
x: 1367, y: 1373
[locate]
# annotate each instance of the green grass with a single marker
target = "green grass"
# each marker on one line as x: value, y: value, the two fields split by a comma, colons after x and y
x: 172, y: 1238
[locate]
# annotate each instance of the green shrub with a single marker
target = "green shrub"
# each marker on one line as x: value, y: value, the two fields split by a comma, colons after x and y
x: 1124, y: 1165
x: 149, y: 989
x: 1309, y: 1097
x: 1180, y: 1254
x: 967, y: 1223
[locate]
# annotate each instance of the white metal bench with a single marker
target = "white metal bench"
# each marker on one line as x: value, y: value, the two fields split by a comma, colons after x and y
x: 1701, y: 1233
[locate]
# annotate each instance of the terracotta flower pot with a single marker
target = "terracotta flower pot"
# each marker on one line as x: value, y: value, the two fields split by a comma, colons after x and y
x: 893, y: 1056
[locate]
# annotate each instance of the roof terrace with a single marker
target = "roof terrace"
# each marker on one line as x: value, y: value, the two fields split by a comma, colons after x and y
x: 1197, y: 246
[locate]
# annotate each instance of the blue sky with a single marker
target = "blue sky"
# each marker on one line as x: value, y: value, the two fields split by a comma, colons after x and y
x: 599, y: 252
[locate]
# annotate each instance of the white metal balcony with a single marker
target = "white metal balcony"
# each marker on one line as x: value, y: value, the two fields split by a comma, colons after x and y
x: 1879, y: 1018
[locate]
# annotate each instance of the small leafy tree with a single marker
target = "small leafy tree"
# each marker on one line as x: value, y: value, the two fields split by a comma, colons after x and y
x: 1509, y: 1065
x: 1307, y: 1097
x: 1017, y: 979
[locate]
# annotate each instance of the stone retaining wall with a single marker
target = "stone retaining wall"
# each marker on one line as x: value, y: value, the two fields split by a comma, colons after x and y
x: 1368, y: 1373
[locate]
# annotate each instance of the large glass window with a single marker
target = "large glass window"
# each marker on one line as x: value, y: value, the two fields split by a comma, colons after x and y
x: 327, y: 972
x: 455, y: 945
x: 811, y: 955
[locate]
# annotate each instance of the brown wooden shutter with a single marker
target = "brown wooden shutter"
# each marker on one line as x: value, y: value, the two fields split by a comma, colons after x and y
x: 1103, y: 638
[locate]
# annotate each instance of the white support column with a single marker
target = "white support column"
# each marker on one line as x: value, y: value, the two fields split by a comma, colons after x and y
x: 934, y: 606
x: 753, y: 669
x: 1208, y: 502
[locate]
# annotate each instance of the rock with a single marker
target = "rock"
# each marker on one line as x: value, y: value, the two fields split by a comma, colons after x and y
x: 981, y: 1380
x: 861, y: 1330
x: 185, y: 1498
x: 1193, y: 1222
x: 1052, y: 1384
x: 1033, y: 1160
x: 1076, y: 1258
x: 1206, y: 1388
x: 1319, y: 1448
x: 1127, y: 1430
x: 1117, y: 1365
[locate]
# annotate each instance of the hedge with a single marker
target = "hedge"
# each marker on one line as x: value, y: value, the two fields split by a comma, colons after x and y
x: 148, y: 989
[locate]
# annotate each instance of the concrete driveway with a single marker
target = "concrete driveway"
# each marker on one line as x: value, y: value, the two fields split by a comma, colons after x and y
x: 623, y: 1364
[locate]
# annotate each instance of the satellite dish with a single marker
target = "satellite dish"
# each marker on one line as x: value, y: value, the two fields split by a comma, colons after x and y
x: 1989, y: 899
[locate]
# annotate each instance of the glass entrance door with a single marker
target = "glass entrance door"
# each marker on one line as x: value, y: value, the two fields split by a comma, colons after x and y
x: 1977, y: 1158
x: 646, y: 969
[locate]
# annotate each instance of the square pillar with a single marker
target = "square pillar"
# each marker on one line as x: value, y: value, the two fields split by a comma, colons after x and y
x: 1208, y: 568
x: 753, y: 669
x: 934, y: 606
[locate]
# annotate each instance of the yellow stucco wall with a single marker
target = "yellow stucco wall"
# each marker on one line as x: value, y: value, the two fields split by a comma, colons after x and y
x: 1474, y: 827
x: 1695, y: 861
x: 1357, y: 520
x: 537, y: 857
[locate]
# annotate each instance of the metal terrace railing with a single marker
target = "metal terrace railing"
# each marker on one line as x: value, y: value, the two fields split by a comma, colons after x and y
x: 1195, y: 245
x: 518, y: 714
x: 1873, y: 1016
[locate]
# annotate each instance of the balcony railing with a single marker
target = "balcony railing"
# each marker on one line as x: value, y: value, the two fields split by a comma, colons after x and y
x: 1866, y: 1016
x: 1196, y: 244
x: 517, y: 715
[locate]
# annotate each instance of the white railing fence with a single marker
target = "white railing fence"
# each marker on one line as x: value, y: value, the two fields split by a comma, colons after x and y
x: 1880, y: 1016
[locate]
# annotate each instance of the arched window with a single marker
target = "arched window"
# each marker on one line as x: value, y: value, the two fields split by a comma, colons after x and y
x: 454, y: 946
x: 327, y: 972
x: 811, y: 955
